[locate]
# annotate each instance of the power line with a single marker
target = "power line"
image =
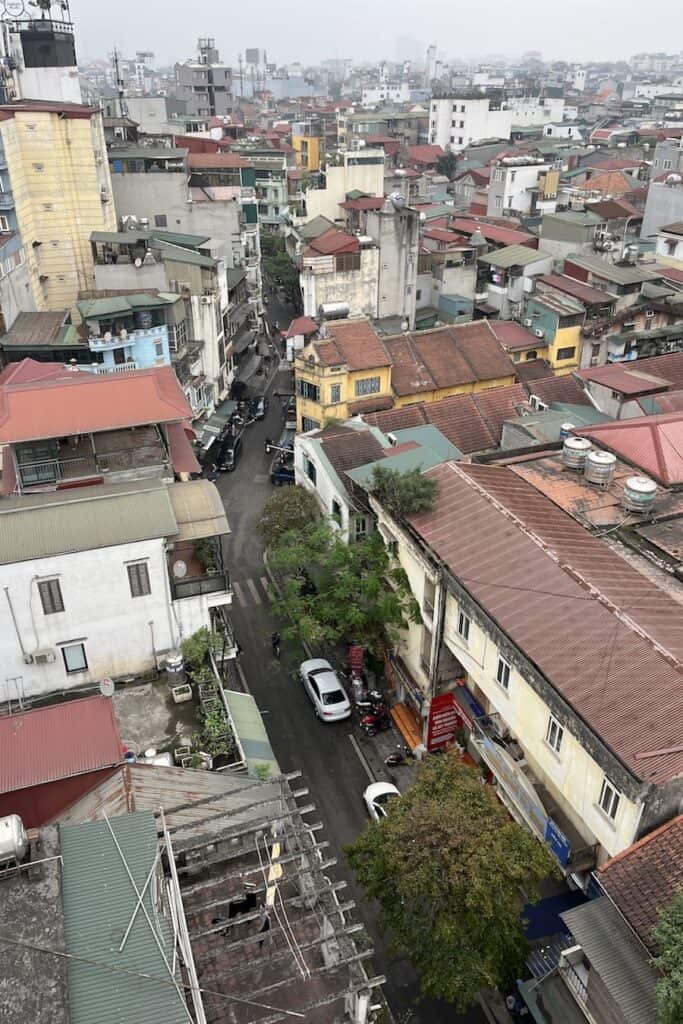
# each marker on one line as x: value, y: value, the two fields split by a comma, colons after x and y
x: 34, y: 947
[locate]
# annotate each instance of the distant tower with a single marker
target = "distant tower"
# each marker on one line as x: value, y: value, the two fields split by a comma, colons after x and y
x: 579, y: 79
x: 430, y: 64
x: 39, y: 52
x: 208, y: 54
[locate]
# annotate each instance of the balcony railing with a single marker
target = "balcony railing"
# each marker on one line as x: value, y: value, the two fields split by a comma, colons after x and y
x: 212, y: 583
x: 127, y: 367
x: 6, y: 200
x: 146, y: 459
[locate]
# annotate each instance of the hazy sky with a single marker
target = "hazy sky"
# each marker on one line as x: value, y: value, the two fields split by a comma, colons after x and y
x: 308, y: 31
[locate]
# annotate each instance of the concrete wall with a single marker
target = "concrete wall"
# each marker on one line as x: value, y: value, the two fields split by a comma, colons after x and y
x: 358, y: 288
x: 473, y: 121
x: 16, y: 294
x: 509, y: 188
x: 368, y: 178
x: 397, y: 235
x: 664, y: 205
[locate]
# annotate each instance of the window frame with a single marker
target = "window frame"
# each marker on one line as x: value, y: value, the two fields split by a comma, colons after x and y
x: 311, y: 470
x: 335, y: 394
x: 463, y: 625
x: 561, y: 353
x: 133, y: 568
x: 554, y: 734
x: 503, y: 669
x: 50, y: 599
x: 367, y: 386
x: 70, y: 646
x: 360, y: 527
x: 609, y: 799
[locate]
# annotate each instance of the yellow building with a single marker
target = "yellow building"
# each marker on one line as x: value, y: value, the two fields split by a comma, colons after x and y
x: 308, y: 151
x: 513, y: 634
x: 57, y: 163
x: 558, y: 318
x: 352, y: 371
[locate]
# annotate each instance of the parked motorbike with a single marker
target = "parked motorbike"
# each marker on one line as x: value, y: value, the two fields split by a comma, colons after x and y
x: 374, y: 713
x: 403, y: 755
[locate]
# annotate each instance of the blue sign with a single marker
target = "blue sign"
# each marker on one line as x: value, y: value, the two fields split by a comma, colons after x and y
x: 558, y: 842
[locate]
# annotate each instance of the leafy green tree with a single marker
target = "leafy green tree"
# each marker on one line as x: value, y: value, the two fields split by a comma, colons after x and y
x: 290, y: 508
x: 403, y: 494
x: 452, y: 872
x: 668, y: 934
x: 448, y: 165
x: 332, y: 591
x: 280, y: 269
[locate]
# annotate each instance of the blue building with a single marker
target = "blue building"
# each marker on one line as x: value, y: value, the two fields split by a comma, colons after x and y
x: 16, y: 294
x: 133, y: 332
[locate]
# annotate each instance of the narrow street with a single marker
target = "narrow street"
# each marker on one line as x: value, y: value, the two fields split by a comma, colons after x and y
x: 323, y: 753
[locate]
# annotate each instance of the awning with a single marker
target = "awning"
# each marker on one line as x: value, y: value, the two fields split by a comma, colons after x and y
x: 183, y: 458
x: 251, y: 735
x: 208, y: 430
x: 248, y: 367
x: 198, y: 510
x: 263, y: 348
x: 242, y: 343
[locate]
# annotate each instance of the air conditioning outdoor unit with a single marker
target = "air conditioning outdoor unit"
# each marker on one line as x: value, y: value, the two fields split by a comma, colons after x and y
x: 528, y: 322
x: 649, y: 313
x: 44, y: 657
x: 539, y: 333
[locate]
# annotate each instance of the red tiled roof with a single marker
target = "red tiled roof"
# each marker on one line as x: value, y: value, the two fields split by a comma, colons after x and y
x: 598, y: 163
x: 399, y: 419
x: 446, y: 357
x: 443, y: 235
x: 669, y: 367
x: 364, y: 405
x: 183, y: 458
x: 302, y: 325
x: 347, y: 448
x: 671, y: 273
x: 614, y: 209
x: 57, y: 742
x: 626, y: 379
x: 643, y: 879
x: 492, y: 232
x: 513, y: 336
x: 527, y: 566
x: 533, y: 369
x: 577, y: 289
x: 425, y: 154
x: 608, y: 182
x: 352, y: 343
x: 210, y: 161
x: 558, y: 389
x: 652, y: 443
x: 331, y: 242
x: 499, y: 404
x: 479, y: 175
x: 457, y: 417
x: 364, y: 203
x: 36, y: 403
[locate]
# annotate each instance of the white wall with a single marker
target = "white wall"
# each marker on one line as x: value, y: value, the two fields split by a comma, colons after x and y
x: 511, y: 186
x: 358, y: 288
x: 325, y: 489
x: 98, y: 611
x: 469, y: 120
x: 346, y: 177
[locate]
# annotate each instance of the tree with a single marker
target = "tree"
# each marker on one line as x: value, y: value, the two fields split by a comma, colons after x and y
x: 288, y: 509
x: 668, y: 934
x: 452, y: 872
x: 448, y: 165
x: 280, y: 269
x: 332, y: 591
x: 403, y: 494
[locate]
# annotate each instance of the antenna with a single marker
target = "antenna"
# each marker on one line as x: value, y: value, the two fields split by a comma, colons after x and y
x: 239, y: 59
x: 123, y: 109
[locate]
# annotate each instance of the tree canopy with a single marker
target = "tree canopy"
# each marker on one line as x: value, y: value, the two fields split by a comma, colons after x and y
x: 668, y: 934
x: 331, y: 591
x: 289, y: 507
x: 280, y: 269
x: 452, y: 872
x: 447, y: 164
x: 403, y: 494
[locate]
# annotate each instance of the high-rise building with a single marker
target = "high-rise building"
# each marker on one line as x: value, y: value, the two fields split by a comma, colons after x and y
x: 205, y: 84
x: 39, y: 55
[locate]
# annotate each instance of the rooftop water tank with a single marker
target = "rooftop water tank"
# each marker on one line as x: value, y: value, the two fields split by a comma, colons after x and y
x: 599, y: 468
x: 13, y: 839
x: 574, y: 452
x: 639, y: 494
x: 565, y: 430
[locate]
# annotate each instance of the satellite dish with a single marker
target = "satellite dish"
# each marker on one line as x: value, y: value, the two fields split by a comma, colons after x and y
x: 107, y: 687
x: 138, y: 261
x: 107, y: 335
x: 179, y: 569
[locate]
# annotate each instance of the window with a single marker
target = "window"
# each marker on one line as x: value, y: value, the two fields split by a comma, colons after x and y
x: 74, y: 658
x: 453, y: 139
x: 566, y: 353
x: 503, y: 673
x: 452, y: 124
x: 4, y: 224
x: 336, y: 512
x: 460, y: 140
x: 138, y: 579
x: 335, y: 394
x: 426, y: 649
x: 554, y: 734
x: 39, y: 168
x: 310, y: 469
x: 361, y: 527
x: 609, y: 798
x: 462, y: 109
x: 418, y: 294
x: 367, y: 386
x: 158, y: 348
x: 428, y: 596
x: 347, y: 261
x: 51, y: 596
x: 306, y: 389
x: 461, y: 125
x: 160, y: 220
x: 308, y: 424
x: 499, y: 202
x: 464, y: 626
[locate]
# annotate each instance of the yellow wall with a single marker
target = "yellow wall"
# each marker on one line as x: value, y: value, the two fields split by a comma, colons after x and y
x: 565, y: 337
x: 57, y: 169
x: 312, y: 162
x: 324, y: 378
x: 461, y: 389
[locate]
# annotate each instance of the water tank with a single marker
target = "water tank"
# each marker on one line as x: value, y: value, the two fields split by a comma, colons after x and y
x: 13, y: 839
x: 599, y: 468
x: 574, y: 452
x: 565, y: 430
x: 143, y: 319
x: 639, y: 494
x: 334, y: 310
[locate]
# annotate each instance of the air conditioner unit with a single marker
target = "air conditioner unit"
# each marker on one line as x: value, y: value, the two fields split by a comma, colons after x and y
x: 44, y: 657
x: 539, y: 333
x: 536, y: 403
x: 206, y: 300
x: 528, y: 322
x: 649, y: 313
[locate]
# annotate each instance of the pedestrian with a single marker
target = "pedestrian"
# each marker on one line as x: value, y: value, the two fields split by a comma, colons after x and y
x: 213, y: 474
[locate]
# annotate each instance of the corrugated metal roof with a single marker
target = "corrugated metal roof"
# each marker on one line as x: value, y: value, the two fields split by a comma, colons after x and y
x: 251, y: 733
x: 652, y: 443
x: 40, y: 525
x: 57, y: 742
x: 617, y: 957
x: 514, y: 256
x: 529, y: 564
x: 198, y: 510
x: 99, y: 903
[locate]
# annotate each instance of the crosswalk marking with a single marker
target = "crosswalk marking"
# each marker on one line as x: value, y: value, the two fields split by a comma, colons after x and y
x: 265, y: 583
x: 254, y: 592
x: 238, y: 592
x: 247, y: 592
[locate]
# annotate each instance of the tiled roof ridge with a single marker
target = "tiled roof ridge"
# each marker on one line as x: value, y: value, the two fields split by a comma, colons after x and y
x: 464, y: 472
x: 418, y: 359
x: 640, y: 843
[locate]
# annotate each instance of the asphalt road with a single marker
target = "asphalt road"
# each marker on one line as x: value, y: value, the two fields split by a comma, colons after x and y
x: 322, y: 752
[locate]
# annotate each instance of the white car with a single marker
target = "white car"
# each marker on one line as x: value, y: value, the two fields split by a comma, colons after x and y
x: 377, y: 797
x: 327, y: 694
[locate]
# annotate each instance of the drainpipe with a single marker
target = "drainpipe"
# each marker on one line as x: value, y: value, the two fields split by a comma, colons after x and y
x: 16, y: 626
x: 438, y: 620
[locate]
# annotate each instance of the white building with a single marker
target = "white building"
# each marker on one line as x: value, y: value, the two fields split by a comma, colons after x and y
x: 669, y: 244
x: 385, y: 92
x: 458, y: 121
x: 563, y: 130
x: 39, y: 57
x: 360, y: 168
x: 522, y: 185
x: 534, y: 110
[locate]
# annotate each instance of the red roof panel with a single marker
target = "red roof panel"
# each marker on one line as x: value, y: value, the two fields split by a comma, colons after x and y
x: 652, y: 443
x: 57, y: 742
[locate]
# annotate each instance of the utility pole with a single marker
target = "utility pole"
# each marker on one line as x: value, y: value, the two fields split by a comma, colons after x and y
x: 123, y: 109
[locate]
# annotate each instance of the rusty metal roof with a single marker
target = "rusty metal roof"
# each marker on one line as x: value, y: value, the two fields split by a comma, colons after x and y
x: 57, y: 742
x: 652, y: 443
x: 603, y: 635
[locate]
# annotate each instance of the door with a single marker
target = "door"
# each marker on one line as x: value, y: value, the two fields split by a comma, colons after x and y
x: 119, y: 356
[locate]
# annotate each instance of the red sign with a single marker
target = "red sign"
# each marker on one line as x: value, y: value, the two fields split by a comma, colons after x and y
x: 444, y: 719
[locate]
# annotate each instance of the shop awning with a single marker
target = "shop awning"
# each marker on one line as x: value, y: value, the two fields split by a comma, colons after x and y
x: 248, y: 367
x: 210, y: 429
x: 241, y: 343
x: 251, y: 735
x: 183, y: 458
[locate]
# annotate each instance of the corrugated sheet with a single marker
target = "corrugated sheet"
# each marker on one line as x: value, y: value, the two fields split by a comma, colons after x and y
x: 251, y: 733
x: 41, y: 525
x: 616, y: 956
x: 57, y: 742
x: 652, y: 443
x: 198, y: 510
x: 627, y: 692
x: 513, y: 256
x: 99, y: 901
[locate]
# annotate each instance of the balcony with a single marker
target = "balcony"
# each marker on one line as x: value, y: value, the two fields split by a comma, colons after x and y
x: 127, y: 367
x: 196, y: 570
x: 197, y: 586
x: 6, y: 200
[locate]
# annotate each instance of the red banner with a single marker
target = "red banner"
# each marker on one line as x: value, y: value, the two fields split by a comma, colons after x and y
x: 444, y: 720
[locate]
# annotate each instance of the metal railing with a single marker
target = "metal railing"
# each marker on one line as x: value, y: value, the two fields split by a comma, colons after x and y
x: 127, y: 367
x: 577, y: 985
x: 212, y: 583
x: 51, y: 471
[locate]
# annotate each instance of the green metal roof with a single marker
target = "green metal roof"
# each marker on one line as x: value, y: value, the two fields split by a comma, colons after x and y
x: 513, y: 256
x: 62, y: 522
x: 120, y: 237
x: 251, y: 733
x: 422, y: 458
x: 179, y: 238
x: 178, y: 254
x: 146, y: 153
x: 430, y: 437
x: 93, y: 309
x: 582, y: 217
x: 99, y: 902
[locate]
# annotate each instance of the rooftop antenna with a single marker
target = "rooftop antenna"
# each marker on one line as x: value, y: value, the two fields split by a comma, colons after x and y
x: 240, y: 62
x: 123, y: 109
